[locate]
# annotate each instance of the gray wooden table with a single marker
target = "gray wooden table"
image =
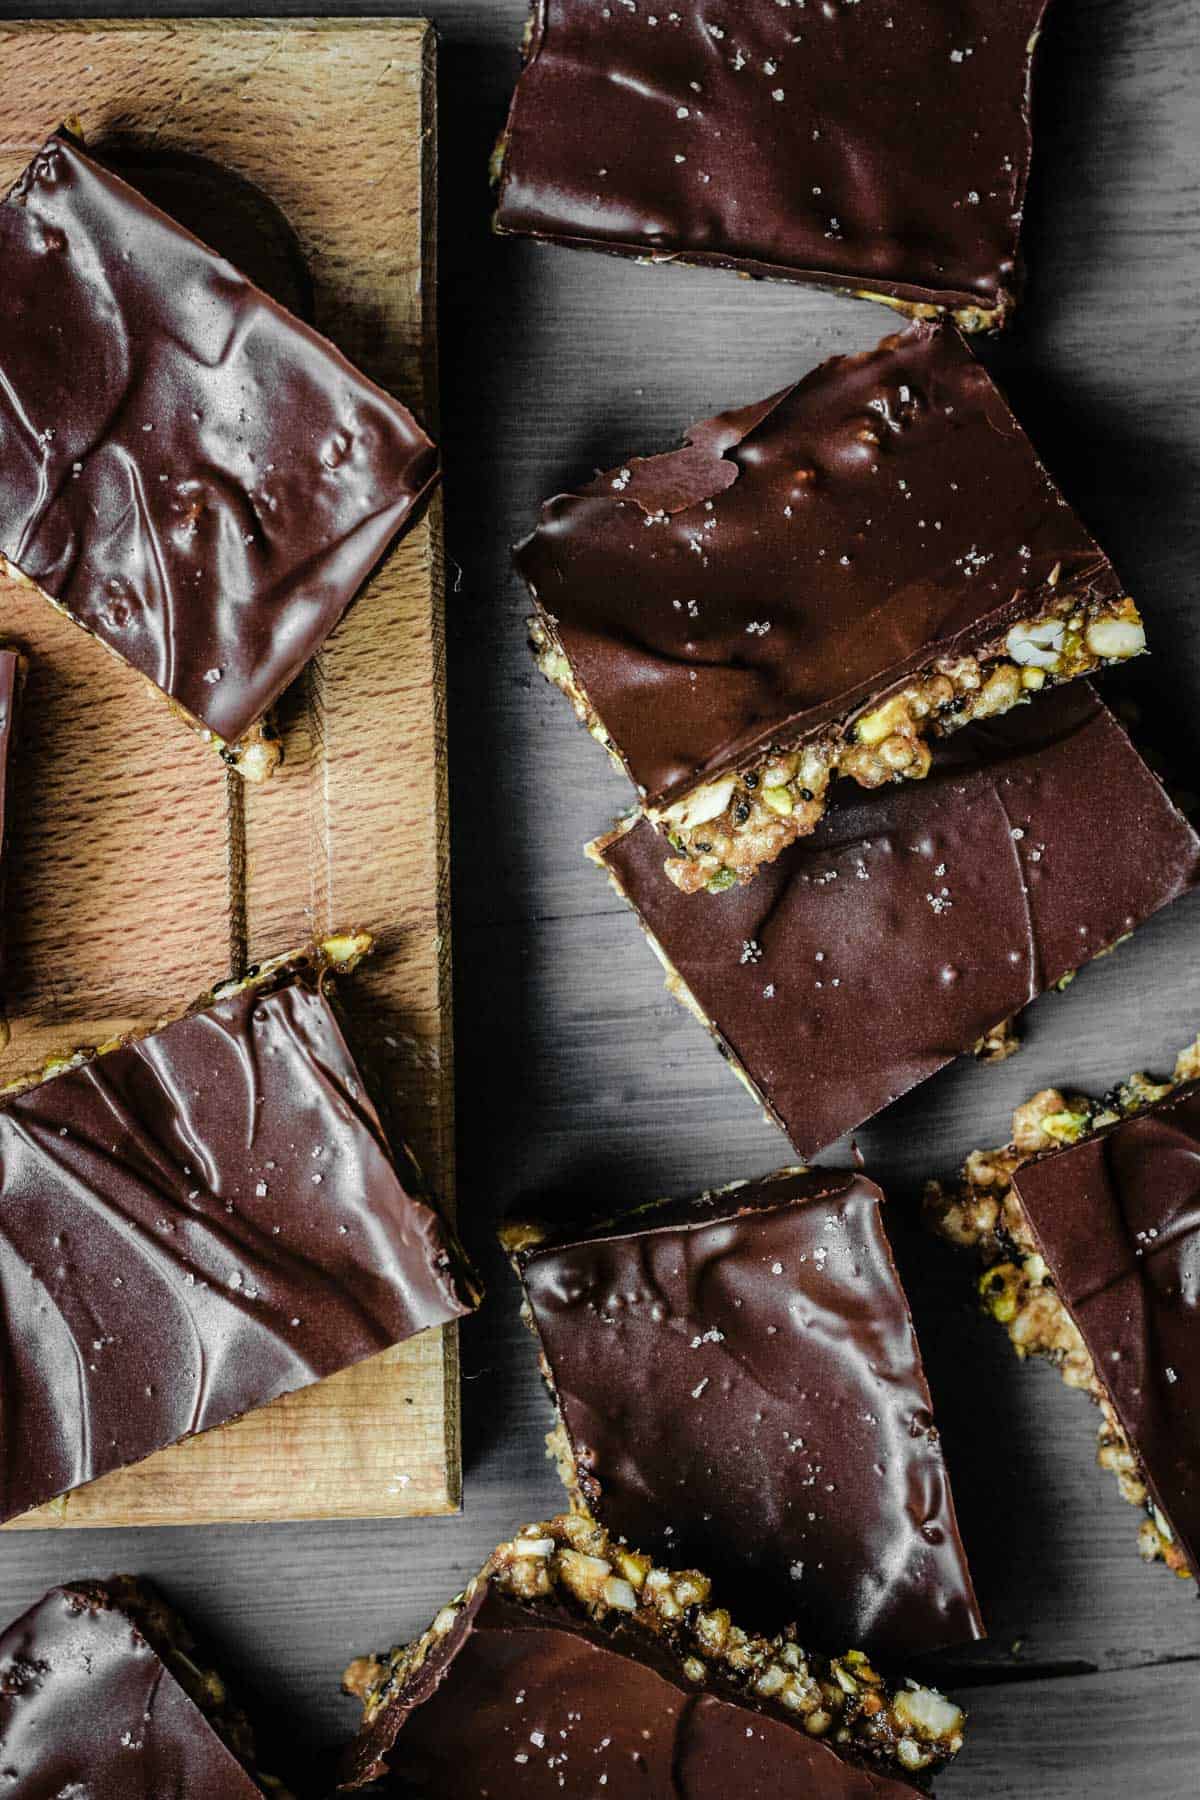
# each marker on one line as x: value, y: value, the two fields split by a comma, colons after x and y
x: 576, y: 1070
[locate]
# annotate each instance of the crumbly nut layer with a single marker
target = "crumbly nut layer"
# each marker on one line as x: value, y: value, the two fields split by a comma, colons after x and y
x: 998, y: 1044
x: 573, y: 1559
x: 981, y: 1212
x: 725, y: 830
x: 968, y: 318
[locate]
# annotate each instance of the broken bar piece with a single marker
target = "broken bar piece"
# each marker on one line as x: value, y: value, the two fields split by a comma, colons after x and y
x: 196, y: 1221
x: 101, y: 1697
x: 190, y: 473
x: 574, y: 1666
x: 815, y: 586
x: 915, y: 920
x: 739, y: 1387
x: 10, y: 680
x: 882, y: 155
x: 1088, y: 1227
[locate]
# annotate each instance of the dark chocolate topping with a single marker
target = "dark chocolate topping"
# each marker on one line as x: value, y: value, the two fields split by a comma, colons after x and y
x: 921, y: 915
x: 744, y: 1394
x: 801, y: 556
x: 200, y: 479
x: 860, y: 146
x: 10, y: 670
x: 192, y: 1225
x: 1117, y: 1219
x: 532, y: 1703
x: 88, y: 1709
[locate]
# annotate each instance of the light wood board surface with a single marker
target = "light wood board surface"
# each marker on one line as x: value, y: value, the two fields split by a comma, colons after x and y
x: 574, y: 1066
x: 142, y: 871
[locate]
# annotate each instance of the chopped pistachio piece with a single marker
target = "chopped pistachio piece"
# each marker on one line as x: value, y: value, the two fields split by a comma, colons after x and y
x: 1066, y: 1127
x: 779, y: 800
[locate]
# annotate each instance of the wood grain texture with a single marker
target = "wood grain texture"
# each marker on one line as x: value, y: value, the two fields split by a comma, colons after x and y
x: 576, y: 1070
x: 142, y: 870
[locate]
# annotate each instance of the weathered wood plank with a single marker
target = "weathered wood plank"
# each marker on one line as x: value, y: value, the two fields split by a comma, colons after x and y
x: 143, y: 872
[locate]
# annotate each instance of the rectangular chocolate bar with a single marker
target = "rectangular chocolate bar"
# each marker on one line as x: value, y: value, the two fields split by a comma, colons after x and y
x: 196, y: 1221
x: 193, y: 475
x: 574, y: 1666
x: 739, y: 1387
x: 10, y: 679
x: 101, y: 1697
x: 1088, y: 1227
x: 915, y: 920
x: 879, y: 150
x: 811, y: 587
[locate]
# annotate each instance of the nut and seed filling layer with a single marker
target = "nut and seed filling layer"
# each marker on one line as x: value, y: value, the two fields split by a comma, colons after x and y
x: 981, y: 1212
x: 725, y: 830
x: 574, y: 1561
x: 968, y: 318
x: 998, y: 1044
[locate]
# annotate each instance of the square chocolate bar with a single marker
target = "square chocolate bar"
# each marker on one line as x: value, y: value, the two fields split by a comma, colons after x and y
x: 102, y: 1697
x: 814, y: 587
x: 196, y: 1221
x: 880, y: 149
x: 917, y: 920
x: 739, y: 1387
x: 1088, y: 1226
x: 193, y: 475
x: 573, y: 1666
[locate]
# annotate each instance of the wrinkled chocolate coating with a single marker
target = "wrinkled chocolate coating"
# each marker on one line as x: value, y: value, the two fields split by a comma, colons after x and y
x: 885, y: 511
x: 88, y: 1710
x: 744, y: 1394
x: 857, y: 145
x: 533, y: 1703
x: 192, y: 1225
x: 10, y: 670
x: 200, y: 479
x: 1117, y: 1219
x: 919, y: 916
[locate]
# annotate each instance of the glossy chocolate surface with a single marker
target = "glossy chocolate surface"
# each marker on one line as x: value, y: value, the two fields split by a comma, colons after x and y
x: 919, y: 916
x: 744, y: 1394
x: 197, y: 477
x: 1117, y: 1219
x: 857, y: 145
x: 192, y: 1225
x: 10, y: 670
x: 89, y: 1710
x: 532, y: 1703
x: 799, y: 557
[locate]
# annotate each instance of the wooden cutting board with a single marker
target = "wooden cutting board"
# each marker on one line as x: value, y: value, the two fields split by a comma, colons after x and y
x: 141, y: 869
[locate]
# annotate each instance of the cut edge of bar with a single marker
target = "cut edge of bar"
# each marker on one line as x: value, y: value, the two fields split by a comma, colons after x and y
x: 979, y: 1210
x: 906, y: 1729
